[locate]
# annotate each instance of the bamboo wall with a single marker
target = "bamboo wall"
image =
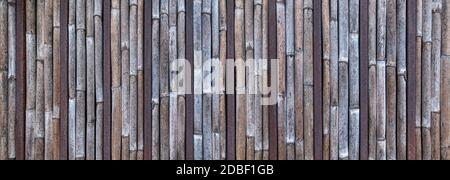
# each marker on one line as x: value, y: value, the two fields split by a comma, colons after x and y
x: 94, y: 79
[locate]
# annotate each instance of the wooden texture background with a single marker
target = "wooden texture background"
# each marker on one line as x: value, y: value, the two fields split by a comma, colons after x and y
x: 357, y: 79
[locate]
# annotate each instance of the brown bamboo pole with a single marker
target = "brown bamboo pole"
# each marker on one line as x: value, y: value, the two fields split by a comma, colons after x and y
x: 216, y: 83
x: 164, y: 75
x: 12, y: 79
x: 90, y: 81
x: 445, y: 83
x: 391, y: 79
x: 343, y: 80
x: 419, y: 12
x: 326, y: 78
x: 426, y: 79
x: 334, y: 85
x: 56, y: 101
x: 258, y: 129
x: 173, y: 65
x: 39, y: 126
x: 290, y: 79
x: 31, y: 78
x: 140, y: 79
x: 198, y: 80
x: 381, y: 80
x: 98, y: 35
x: 222, y: 85
x: 80, y: 140
x: 48, y: 80
x: 281, y: 51
x: 4, y: 80
x: 354, y: 79
x: 182, y: 82
x: 308, y: 84
x: 240, y: 80
x: 133, y: 29
x: 401, y: 81
x: 125, y: 75
x: 372, y: 80
x: 155, y: 81
x: 116, y: 81
x: 72, y: 79
x: 265, y: 75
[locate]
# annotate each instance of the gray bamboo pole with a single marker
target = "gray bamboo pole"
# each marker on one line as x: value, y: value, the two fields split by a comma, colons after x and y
x: 436, y: 81
x: 372, y: 80
x: 133, y: 79
x: 381, y: 80
x: 241, y: 100
x: 258, y: 126
x: 215, y: 46
x: 39, y: 126
x: 164, y: 75
x: 290, y: 79
x: 445, y: 83
x: 250, y: 78
x: 140, y: 79
x: 265, y: 56
x: 308, y: 84
x: 98, y: 35
x: 4, y: 80
x: 326, y: 78
x: 31, y: 78
x: 426, y: 79
x: 80, y: 140
x: 222, y: 85
x: 56, y: 117
x: 182, y: 82
x: 354, y: 69
x: 11, y: 78
x: 419, y: 39
x: 391, y: 77
x: 281, y: 51
x: 173, y: 96
x: 207, y: 91
x: 90, y: 81
x: 334, y: 85
x: 72, y: 78
x: 116, y: 81
x: 125, y: 66
x: 343, y: 80
x: 155, y: 81
x: 198, y: 80
x: 401, y: 80
x: 48, y: 80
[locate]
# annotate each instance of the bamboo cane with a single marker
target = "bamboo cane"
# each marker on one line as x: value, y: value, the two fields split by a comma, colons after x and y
x: 56, y: 117
x: 445, y: 83
x: 381, y: 78
x: 140, y: 79
x: 343, y: 80
x: 4, y: 80
x: 11, y: 78
x: 250, y: 78
x: 308, y: 84
x: 391, y: 76
x: 98, y: 35
x: 90, y: 81
x: 215, y: 81
x: 290, y: 79
x: 173, y: 97
x: 207, y: 91
x: 326, y: 78
x: 182, y: 82
x: 164, y: 75
x: 39, y: 126
x: 240, y: 80
x: 116, y: 81
x: 401, y: 81
x: 80, y: 140
x: 72, y: 78
x: 222, y: 85
x: 419, y: 12
x: 133, y: 29
x: 281, y: 51
x: 426, y: 79
x: 265, y: 75
x: 436, y: 83
x: 48, y: 80
x: 334, y: 81
x: 125, y: 75
x: 258, y: 129
x: 372, y: 80
x: 354, y: 131
x: 155, y: 81
x: 198, y: 82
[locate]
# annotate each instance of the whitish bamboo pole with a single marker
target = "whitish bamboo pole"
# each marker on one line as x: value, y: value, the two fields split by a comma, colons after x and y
x: 250, y: 78
x: 290, y: 79
x: 31, y: 78
x: 80, y: 140
x: 116, y: 81
x: 182, y: 83
x: 343, y: 80
x: 140, y: 79
x: 426, y: 80
x: 391, y: 76
x: 90, y: 81
x: 215, y: 46
x: 98, y: 35
x: 133, y: 78
x: 436, y: 81
x: 281, y: 51
x: 222, y: 57
x: 240, y: 80
x: 164, y: 75
x: 4, y: 80
x: 381, y: 80
x: 48, y: 79
x: 308, y: 84
x: 401, y: 80
x: 207, y: 91
x: 258, y: 126
x: 39, y: 126
x: 72, y: 78
x: 326, y: 78
x: 155, y: 81
x: 125, y: 63
x: 334, y: 85
x: 354, y: 80
x: 56, y: 79
x: 445, y: 83
x: 11, y: 78
x: 419, y: 13
x: 372, y: 79
x: 173, y: 97
x: 198, y: 82
x: 265, y: 56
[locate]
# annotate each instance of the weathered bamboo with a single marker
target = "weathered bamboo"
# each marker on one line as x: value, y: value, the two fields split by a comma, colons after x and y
x: 182, y: 83
x: 445, y: 83
x: 290, y: 80
x: 198, y: 80
x: 241, y: 100
x: 419, y: 12
x: 401, y: 81
x: 250, y: 78
x: 354, y: 69
x: 334, y: 85
x: 265, y: 57
x: 426, y: 79
x: 133, y: 107
x: 436, y: 81
x: 48, y: 80
x: 90, y: 81
x: 56, y: 117
x: 281, y: 51
x: 372, y: 80
x: 258, y: 128
x: 164, y: 75
x: 222, y: 58
x: 326, y: 78
x: 125, y: 75
x: 308, y: 84
x: 343, y: 80
x: 98, y: 35
x: 80, y: 140
x: 391, y: 76
x: 116, y: 81
x: 4, y: 80
x: 39, y: 126
x: 11, y: 78
x: 140, y: 79
x: 207, y: 89
x: 381, y: 80
x: 31, y: 78
x: 173, y: 96
x: 72, y: 78
x: 215, y: 45
x: 155, y: 81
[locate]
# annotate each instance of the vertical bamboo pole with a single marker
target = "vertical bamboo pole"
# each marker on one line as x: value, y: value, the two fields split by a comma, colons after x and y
x: 99, y: 100
x: 308, y: 84
x: 290, y: 79
x: 116, y: 81
x: 381, y: 80
x: 133, y: 107
x: 72, y: 78
x: 107, y: 75
x: 281, y: 51
x: 426, y: 79
x: 223, y: 30
x: 343, y: 79
x: 250, y: 78
x: 125, y: 66
x: 265, y: 71
x: 173, y: 96
x: 354, y: 88
x: 372, y: 79
x: 164, y: 75
x: 198, y: 82
x: 147, y: 77
x: 436, y: 81
x: 80, y: 140
x: 48, y: 79
x: 155, y: 81
x: 391, y: 77
x: 20, y: 60
x: 90, y: 81
x: 326, y: 78
x: 4, y: 80
x: 257, y: 28
x: 419, y: 38
x: 56, y: 101
x: 445, y: 83
x: 182, y: 82
x: 215, y: 46
x: 39, y: 126
x: 140, y: 79
x: 401, y: 81
x: 240, y: 80
x: 207, y: 91
x: 31, y: 78
x: 334, y: 85
x: 11, y: 78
